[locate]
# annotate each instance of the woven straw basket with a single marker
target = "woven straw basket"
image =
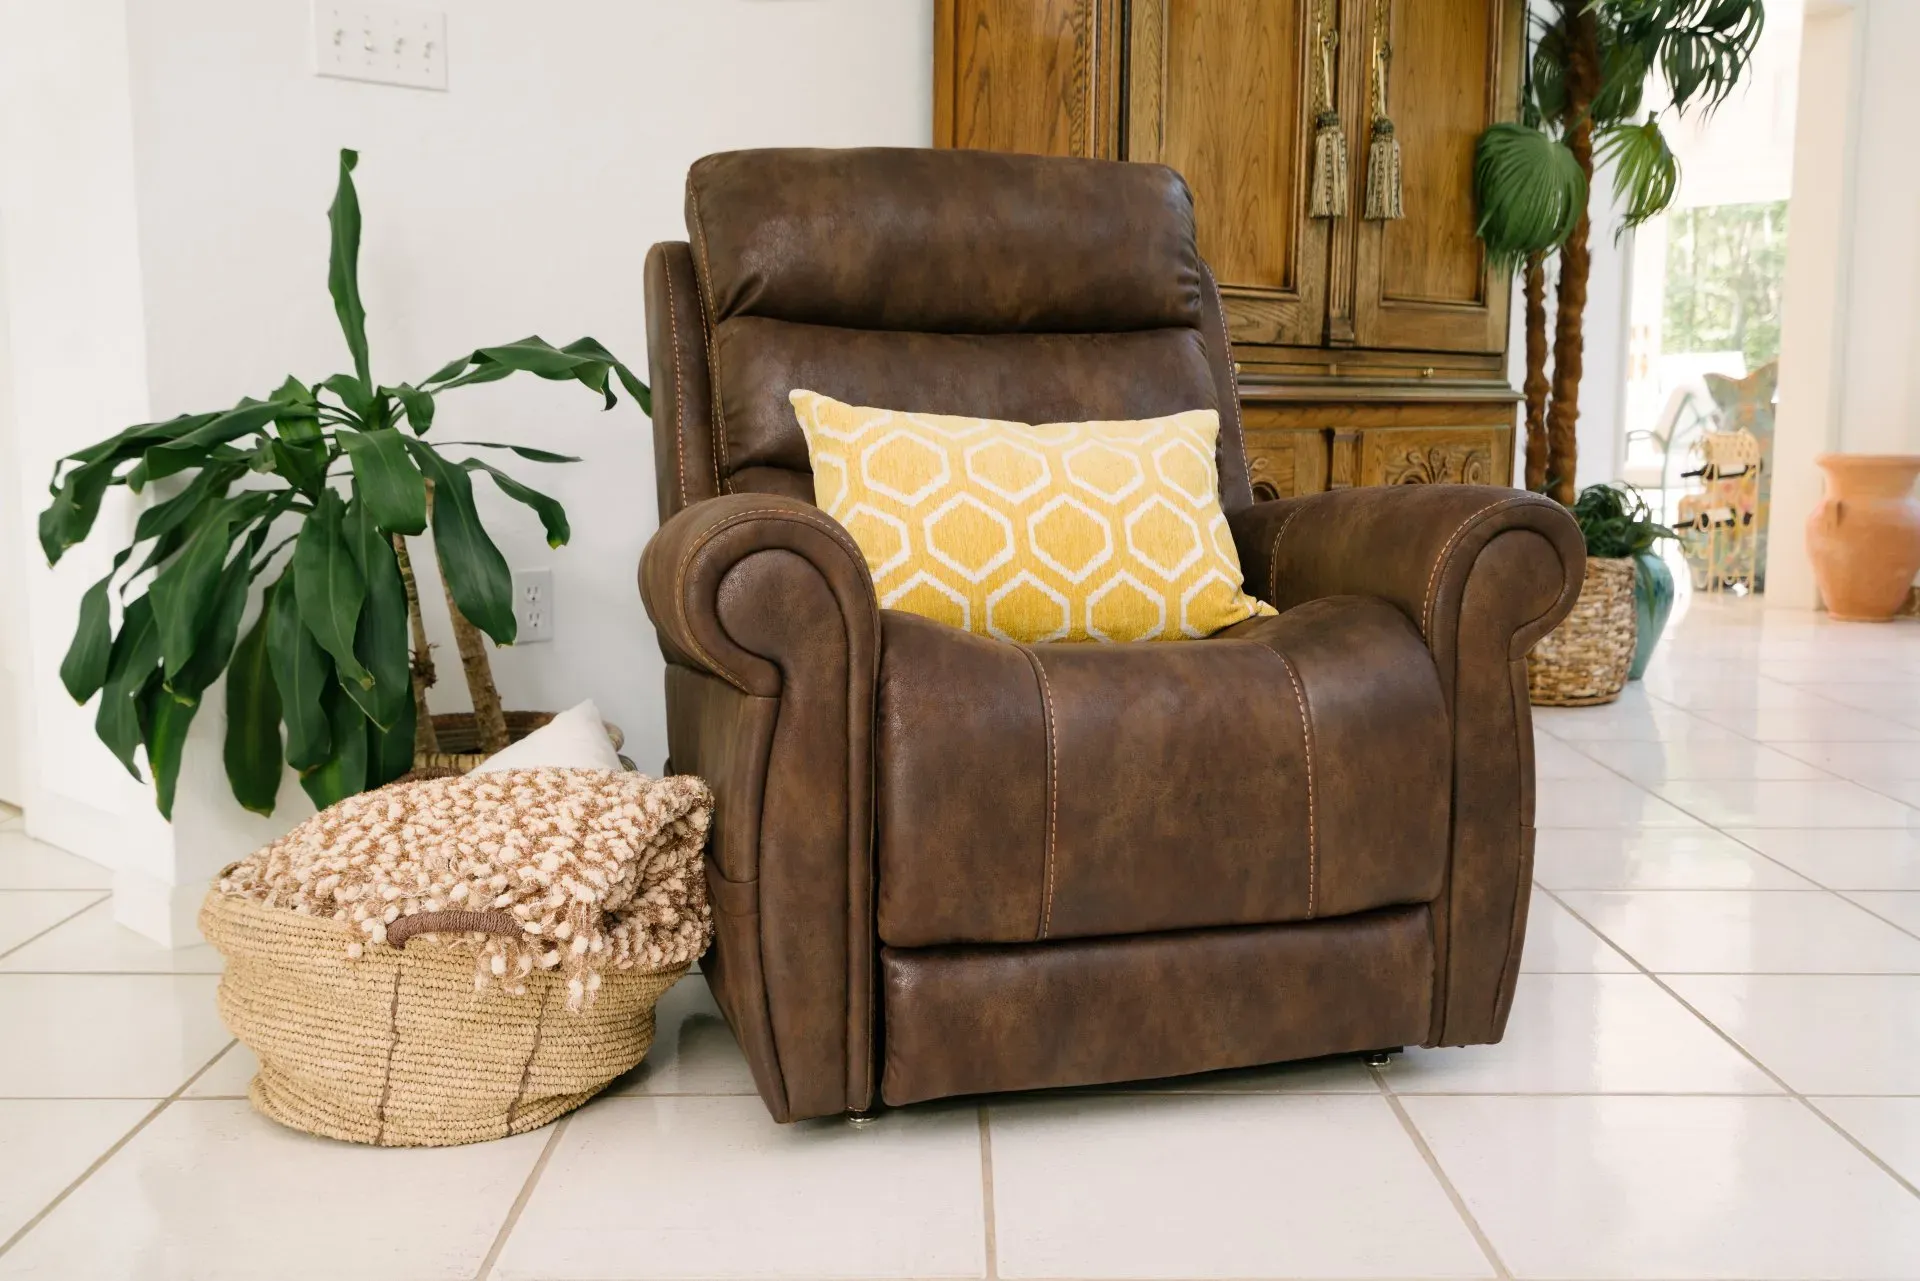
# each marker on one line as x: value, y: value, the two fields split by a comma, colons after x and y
x: 1585, y: 660
x: 396, y: 1048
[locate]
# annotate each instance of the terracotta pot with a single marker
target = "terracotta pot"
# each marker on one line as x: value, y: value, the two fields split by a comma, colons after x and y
x: 1864, y: 539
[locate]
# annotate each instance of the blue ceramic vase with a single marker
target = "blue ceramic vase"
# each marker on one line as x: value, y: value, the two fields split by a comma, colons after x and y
x: 1652, y: 602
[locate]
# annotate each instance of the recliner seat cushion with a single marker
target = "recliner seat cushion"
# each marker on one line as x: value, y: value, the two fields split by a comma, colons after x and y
x: 1287, y: 769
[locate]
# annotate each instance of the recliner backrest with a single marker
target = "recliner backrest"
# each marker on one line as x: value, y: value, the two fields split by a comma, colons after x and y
x: 1032, y: 288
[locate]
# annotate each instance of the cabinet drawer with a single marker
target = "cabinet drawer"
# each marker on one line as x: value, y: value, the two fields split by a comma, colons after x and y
x: 1433, y: 455
x: 1285, y: 463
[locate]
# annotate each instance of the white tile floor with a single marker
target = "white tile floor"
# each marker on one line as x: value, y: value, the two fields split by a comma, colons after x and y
x: 1712, y: 1070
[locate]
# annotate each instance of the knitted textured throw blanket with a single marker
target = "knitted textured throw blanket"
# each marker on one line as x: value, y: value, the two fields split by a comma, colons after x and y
x: 598, y: 869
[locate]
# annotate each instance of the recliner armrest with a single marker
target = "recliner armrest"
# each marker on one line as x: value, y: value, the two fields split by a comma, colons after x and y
x: 1415, y: 546
x: 766, y: 613
x: 743, y: 632
x: 1482, y: 573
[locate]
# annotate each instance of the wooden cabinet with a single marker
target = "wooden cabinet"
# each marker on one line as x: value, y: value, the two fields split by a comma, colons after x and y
x: 1369, y: 352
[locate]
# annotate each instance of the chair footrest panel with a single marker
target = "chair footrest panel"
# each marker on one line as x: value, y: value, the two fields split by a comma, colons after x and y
x: 969, y: 1020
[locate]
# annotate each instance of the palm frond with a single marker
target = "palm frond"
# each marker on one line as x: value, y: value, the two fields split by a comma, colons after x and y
x: 1645, y: 170
x: 1529, y: 190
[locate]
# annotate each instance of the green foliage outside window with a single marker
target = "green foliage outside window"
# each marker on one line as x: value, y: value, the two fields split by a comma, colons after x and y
x: 1725, y: 268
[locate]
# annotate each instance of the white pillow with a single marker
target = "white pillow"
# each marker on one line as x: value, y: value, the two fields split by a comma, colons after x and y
x: 575, y: 739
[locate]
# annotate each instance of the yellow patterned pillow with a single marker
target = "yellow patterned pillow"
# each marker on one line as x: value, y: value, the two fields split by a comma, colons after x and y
x: 1105, y: 531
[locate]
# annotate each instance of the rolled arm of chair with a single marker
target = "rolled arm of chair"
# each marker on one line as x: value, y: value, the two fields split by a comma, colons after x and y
x: 766, y: 614
x: 1482, y: 573
x: 688, y: 580
x: 1416, y: 546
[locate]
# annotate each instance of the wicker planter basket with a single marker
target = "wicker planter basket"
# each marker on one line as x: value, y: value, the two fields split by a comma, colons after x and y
x: 396, y: 1048
x: 1585, y: 660
x: 458, y: 734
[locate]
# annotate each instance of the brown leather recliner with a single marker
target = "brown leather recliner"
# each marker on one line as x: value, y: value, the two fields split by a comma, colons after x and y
x: 943, y: 864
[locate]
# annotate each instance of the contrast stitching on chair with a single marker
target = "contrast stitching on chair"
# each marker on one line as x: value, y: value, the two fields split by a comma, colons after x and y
x: 1048, y: 851
x: 1273, y: 559
x: 1446, y: 555
x: 703, y: 273
x: 686, y: 561
x: 680, y: 384
x: 1306, y: 738
x: 1233, y: 375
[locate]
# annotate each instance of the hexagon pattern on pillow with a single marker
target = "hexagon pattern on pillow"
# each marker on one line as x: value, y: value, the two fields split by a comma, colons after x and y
x: 1104, y: 531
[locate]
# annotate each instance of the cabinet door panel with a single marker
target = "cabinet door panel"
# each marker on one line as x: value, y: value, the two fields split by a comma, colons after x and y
x: 1218, y: 89
x: 1286, y: 462
x: 1422, y: 281
x: 1037, y: 76
x: 1435, y: 456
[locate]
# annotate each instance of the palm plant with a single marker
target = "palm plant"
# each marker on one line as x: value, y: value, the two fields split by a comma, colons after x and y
x: 1585, y: 86
x: 314, y: 488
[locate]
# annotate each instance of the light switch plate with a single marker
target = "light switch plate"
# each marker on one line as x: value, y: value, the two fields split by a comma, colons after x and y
x: 533, y: 605
x: 382, y: 43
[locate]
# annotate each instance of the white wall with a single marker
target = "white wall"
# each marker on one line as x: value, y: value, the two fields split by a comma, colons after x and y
x: 77, y: 369
x: 1850, y: 344
x: 521, y: 201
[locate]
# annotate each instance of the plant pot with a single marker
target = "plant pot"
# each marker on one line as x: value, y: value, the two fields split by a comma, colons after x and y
x: 459, y: 737
x: 458, y: 734
x: 1585, y: 660
x: 1864, y: 539
x: 1652, y: 603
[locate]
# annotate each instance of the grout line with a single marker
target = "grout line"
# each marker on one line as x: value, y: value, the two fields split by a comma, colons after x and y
x: 512, y: 1220
x: 1777, y: 1079
x: 109, y: 1154
x: 1712, y: 827
x: 1876, y: 915
x: 1479, y: 1235
x: 104, y: 896
x: 986, y: 1195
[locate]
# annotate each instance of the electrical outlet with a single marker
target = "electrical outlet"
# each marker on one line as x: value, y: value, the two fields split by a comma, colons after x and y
x: 533, y: 605
x: 382, y: 43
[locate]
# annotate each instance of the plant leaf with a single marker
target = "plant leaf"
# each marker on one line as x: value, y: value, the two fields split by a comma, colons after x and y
x: 252, y: 748
x: 134, y: 440
x: 583, y: 360
x: 525, y: 451
x: 380, y: 639
x: 76, y: 505
x: 355, y: 394
x: 328, y: 587
x: 300, y: 675
x: 476, y: 572
x: 164, y: 721
x: 1646, y: 172
x: 387, y: 480
x: 84, y: 670
x: 135, y: 662
x: 184, y: 589
x: 209, y: 486
x: 552, y: 515
x: 390, y: 751
x: 417, y: 403
x: 343, y: 265
x: 214, y: 646
x: 344, y: 772
x: 1530, y: 192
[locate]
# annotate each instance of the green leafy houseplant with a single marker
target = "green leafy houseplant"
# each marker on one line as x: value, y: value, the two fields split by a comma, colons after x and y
x: 312, y: 489
x: 1616, y: 522
x: 1584, y: 93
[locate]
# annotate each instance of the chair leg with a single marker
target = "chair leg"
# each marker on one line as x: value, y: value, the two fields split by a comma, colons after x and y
x: 1383, y: 1057
x: 861, y: 1118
